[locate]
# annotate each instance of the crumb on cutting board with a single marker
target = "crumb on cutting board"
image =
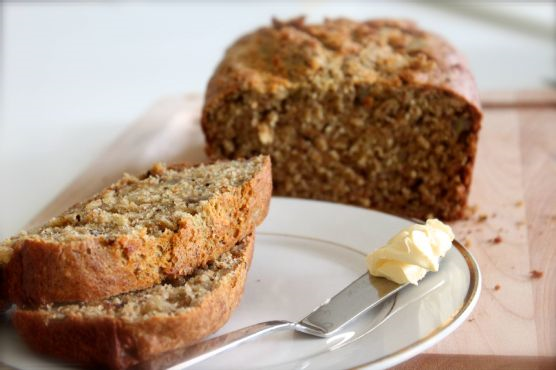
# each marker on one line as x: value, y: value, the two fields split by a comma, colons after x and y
x: 469, y: 211
x: 496, y: 240
x: 467, y: 243
x: 536, y: 274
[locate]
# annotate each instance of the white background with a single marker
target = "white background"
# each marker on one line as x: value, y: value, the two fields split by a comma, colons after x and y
x: 74, y: 75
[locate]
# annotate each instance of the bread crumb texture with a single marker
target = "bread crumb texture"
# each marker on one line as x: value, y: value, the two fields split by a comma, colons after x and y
x: 146, y: 207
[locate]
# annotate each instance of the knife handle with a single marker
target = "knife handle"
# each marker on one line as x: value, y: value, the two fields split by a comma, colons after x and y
x: 185, y: 357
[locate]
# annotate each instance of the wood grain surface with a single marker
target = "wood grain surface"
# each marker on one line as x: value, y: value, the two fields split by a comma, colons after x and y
x: 511, y: 232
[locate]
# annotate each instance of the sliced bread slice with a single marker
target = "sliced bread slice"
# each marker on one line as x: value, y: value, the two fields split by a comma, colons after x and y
x: 137, y: 233
x: 130, y: 328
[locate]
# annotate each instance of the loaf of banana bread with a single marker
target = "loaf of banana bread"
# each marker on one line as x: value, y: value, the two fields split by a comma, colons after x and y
x: 379, y: 114
x: 137, y: 233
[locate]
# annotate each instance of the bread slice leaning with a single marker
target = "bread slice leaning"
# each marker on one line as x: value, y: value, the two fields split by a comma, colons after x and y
x: 124, y: 330
x: 137, y: 233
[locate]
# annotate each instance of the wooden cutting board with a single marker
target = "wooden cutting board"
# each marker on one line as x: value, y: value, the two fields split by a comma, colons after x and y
x: 511, y: 233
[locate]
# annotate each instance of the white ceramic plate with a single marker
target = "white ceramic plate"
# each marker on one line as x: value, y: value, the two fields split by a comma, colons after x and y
x: 306, y: 251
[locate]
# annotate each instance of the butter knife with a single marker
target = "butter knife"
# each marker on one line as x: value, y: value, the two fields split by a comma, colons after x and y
x: 327, y: 319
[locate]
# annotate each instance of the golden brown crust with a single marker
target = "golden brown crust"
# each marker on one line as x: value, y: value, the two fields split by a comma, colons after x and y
x: 113, y: 342
x: 275, y: 59
x: 40, y: 272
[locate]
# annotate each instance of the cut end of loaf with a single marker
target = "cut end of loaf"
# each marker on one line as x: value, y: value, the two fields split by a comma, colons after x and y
x: 404, y: 151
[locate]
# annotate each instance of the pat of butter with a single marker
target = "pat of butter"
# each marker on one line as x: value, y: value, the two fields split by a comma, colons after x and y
x: 410, y: 254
